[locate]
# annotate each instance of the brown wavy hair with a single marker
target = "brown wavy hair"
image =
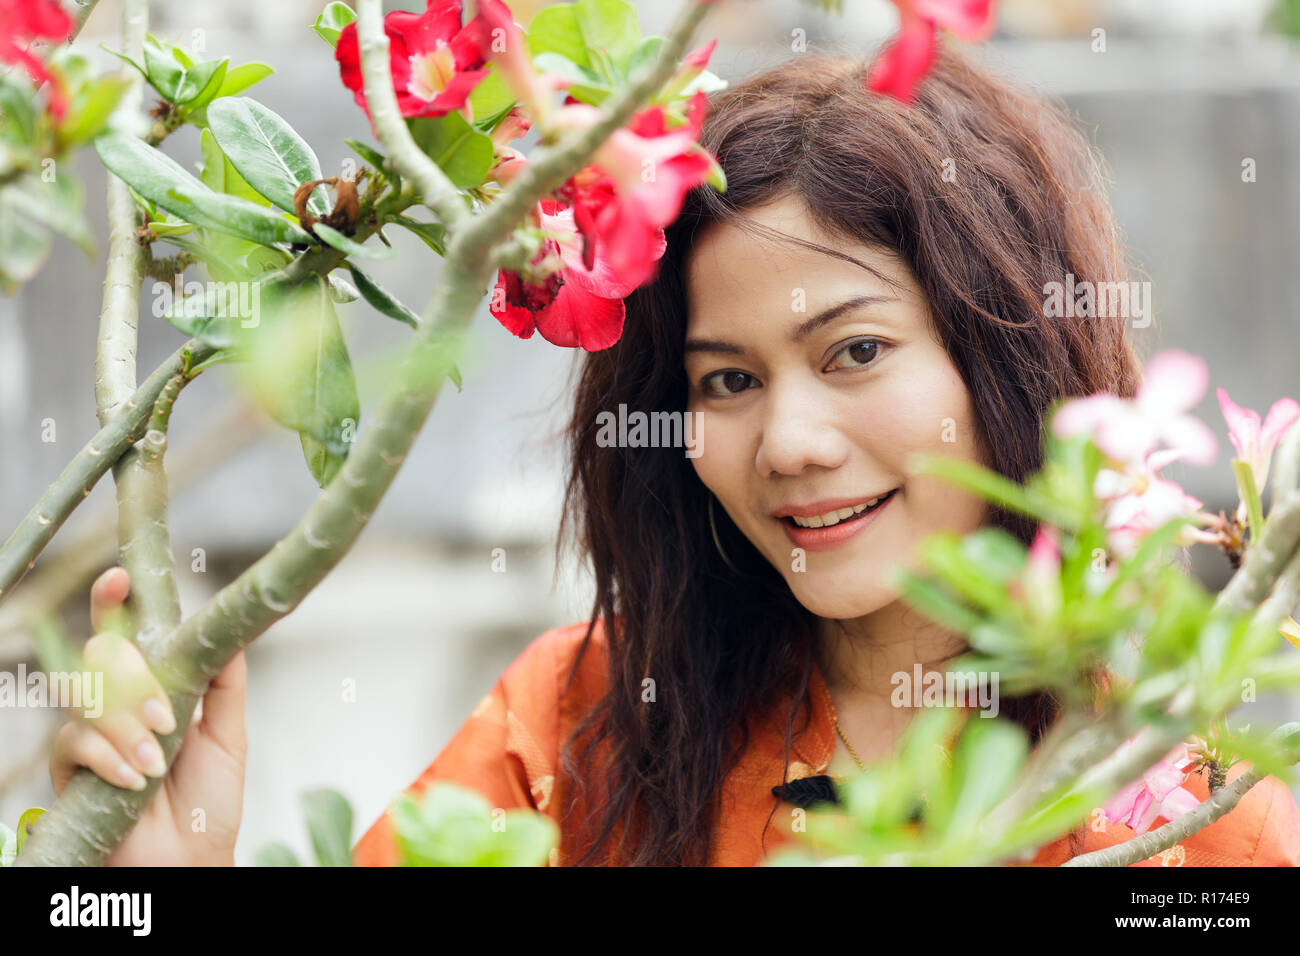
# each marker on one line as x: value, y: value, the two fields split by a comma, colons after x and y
x: 1027, y: 205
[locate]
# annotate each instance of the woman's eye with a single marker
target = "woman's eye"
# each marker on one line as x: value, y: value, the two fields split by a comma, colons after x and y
x: 856, y: 354
x: 727, y: 382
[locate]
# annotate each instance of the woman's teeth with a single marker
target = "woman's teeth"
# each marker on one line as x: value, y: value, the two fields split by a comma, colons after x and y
x: 835, y: 517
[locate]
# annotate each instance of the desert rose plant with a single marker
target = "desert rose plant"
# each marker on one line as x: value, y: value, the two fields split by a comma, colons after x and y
x: 556, y: 235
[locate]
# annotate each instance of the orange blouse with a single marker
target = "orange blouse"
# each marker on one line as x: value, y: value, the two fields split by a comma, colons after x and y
x: 508, y: 750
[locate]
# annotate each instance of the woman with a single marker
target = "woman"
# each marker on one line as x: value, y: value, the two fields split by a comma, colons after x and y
x: 869, y: 286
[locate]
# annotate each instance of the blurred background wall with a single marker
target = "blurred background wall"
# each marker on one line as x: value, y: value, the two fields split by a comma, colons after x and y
x: 1183, y: 92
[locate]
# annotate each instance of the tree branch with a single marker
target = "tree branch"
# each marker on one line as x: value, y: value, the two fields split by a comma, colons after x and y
x: 81, y: 11
x: 144, y: 540
x: 67, y: 491
x: 1162, y: 838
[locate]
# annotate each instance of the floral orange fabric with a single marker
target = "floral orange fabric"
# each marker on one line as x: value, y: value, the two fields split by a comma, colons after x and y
x: 508, y: 750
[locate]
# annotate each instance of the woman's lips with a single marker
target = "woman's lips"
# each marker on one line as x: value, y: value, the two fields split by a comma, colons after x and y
x: 824, y: 539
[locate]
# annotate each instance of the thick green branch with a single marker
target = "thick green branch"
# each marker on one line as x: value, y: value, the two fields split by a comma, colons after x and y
x: 144, y: 541
x: 34, y: 532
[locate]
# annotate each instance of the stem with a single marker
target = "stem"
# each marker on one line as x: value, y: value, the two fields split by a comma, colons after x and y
x: 81, y: 11
x: 19, y: 553
x: 376, y: 72
x: 1286, y: 467
x: 1162, y: 838
x: 92, y: 817
x: 144, y: 540
x: 1264, y: 560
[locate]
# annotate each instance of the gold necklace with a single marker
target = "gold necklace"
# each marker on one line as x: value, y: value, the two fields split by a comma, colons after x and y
x: 852, y: 753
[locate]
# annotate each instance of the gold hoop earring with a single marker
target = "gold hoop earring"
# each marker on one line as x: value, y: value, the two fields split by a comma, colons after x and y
x: 717, y: 543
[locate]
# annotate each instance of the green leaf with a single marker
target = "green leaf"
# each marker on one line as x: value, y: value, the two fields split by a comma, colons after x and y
x: 23, y: 244
x: 372, y: 156
x: 382, y: 300
x: 433, y: 234
x: 220, y: 175
x: 1250, y: 495
x: 299, y: 369
x: 462, y: 152
x: 491, y: 99
x: 161, y: 68
x: 201, y: 86
x: 55, y: 204
x: 452, y: 825
x: 90, y: 111
x: 329, y: 821
x: 18, y: 107
x: 321, y: 462
x: 989, y: 484
x: 275, y: 854
x: 161, y: 180
x: 332, y: 237
x: 211, y: 312
x: 242, y: 77
x: 266, y: 151
x: 332, y: 20
x: 29, y: 818
x: 989, y: 755
x: 341, y: 290
x: 585, y: 85
x: 576, y: 29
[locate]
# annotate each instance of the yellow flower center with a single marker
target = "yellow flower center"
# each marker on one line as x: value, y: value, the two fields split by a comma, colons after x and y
x: 431, y: 72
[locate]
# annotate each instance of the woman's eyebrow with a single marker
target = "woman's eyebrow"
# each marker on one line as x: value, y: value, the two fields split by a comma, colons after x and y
x: 800, y: 332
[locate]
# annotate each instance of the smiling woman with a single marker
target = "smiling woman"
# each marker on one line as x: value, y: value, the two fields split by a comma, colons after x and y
x: 868, y: 287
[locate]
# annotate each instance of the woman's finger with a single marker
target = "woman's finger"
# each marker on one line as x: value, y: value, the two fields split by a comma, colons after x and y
x: 107, y: 594
x: 133, y: 742
x: 79, y: 745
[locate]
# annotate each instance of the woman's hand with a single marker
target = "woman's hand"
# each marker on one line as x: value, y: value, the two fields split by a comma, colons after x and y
x: 194, y: 817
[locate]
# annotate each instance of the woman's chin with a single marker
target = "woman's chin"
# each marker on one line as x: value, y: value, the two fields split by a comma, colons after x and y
x: 843, y: 600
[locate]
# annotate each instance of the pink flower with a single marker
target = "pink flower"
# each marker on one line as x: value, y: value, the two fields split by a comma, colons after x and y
x: 1255, y: 445
x: 900, y: 68
x: 576, y: 306
x: 635, y: 185
x: 21, y: 22
x: 1140, y: 501
x: 1157, y: 794
x: 1128, y: 431
x: 434, y: 60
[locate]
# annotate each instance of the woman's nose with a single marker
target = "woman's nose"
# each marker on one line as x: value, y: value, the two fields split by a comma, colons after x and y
x: 799, y: 430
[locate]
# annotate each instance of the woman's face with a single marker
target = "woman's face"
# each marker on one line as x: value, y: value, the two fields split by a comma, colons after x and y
x: 816, y: 381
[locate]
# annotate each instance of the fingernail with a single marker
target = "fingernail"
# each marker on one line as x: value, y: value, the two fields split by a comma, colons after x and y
x: 149, y: 758
x: 158, y: 716
x: 128, y: 777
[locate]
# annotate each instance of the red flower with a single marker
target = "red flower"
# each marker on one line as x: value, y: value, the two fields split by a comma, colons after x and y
x: 635, y: 186
x: 435, y: 61
x: 21, y: 22
x: 576, y: 306
x: 900, y: 68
